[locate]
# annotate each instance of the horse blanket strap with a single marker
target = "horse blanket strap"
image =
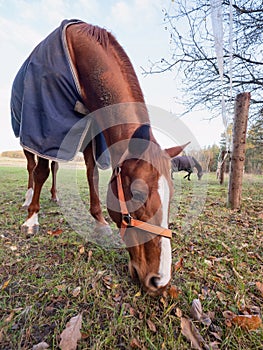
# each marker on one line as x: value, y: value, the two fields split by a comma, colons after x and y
x: 129, y: 221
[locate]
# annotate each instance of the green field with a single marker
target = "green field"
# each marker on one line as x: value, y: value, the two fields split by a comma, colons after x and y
x: 46, y: 279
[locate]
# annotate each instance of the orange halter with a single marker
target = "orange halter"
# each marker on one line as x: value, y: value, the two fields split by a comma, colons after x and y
x: 129, y: 221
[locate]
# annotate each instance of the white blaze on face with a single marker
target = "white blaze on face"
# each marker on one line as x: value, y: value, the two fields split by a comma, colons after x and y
x: 166, y: 252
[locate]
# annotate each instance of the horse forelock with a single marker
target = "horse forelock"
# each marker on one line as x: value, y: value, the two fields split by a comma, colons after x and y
x: 160, y: 159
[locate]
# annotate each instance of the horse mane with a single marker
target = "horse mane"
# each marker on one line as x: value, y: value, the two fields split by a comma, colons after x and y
x: 98, y: 34
x: 107, y: 40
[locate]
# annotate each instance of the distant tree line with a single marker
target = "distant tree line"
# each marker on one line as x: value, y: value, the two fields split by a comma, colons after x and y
x: 209, y: 156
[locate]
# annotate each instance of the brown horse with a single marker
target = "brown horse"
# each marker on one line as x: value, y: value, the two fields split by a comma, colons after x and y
x: 140, y: 189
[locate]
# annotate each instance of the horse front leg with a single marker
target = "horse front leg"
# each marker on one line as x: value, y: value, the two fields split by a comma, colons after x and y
x: 31, y: 163
x: 53, y: 190
x: 93, y: 181
x: 40, y: 175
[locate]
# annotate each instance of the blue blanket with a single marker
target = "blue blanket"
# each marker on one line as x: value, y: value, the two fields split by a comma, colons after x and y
x: 44, y: 96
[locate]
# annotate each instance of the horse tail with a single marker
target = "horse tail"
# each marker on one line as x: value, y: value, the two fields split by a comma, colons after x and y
x: 198, y: 166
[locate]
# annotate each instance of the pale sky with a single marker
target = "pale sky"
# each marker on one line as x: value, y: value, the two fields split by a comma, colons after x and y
x: 138, y: 26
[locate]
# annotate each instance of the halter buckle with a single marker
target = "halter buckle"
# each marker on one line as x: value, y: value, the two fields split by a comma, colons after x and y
x: 126, y: 218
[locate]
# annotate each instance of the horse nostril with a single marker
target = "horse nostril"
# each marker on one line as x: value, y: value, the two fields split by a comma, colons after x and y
x: 154, y: 282
x: 151, y: 282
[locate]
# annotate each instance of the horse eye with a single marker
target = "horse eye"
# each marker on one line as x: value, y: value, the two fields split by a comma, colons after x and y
x: 139, y: 196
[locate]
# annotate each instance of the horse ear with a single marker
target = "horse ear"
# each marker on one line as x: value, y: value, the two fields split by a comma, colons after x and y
x: 139, y: 141
x: 174, y: 151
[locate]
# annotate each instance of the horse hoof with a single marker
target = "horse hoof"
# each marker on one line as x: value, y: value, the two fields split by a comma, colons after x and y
x: 30, y: 230
x: 54, y: 200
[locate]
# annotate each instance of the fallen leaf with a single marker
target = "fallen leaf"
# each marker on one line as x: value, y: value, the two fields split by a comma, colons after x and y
x: 89, y: 255
x: 178, y: 312
x: 81, y: 249
x: 248, y: 322
x: 174, y: 292
x: 9, y: 317
x: 107, y: 281
x: 76, y: 291
x: 117, y: 297
x: 61, y: 287
x: 221, y: 297
x: 5, y: 284
x: 192, y: 334
x: 179, y: 264
x: 138, y: 294
x: 56, y: 232
x: 151, y: 325
x: 237, y: 273
x: 135, y: 343
x: 13, y: 248
x: 132, y: 311
x: 71, y: 334
x: 198, y: 314
x: 259, y: 286
x: 40, y: 346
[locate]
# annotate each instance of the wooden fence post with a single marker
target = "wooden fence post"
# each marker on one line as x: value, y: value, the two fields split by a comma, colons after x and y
x: 238, y: 150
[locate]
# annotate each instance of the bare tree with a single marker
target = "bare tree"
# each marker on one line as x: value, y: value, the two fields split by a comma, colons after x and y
x: 193, y: 56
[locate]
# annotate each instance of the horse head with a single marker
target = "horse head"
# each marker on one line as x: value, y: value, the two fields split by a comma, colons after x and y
x: 138, y: 200
x: 199, y: 175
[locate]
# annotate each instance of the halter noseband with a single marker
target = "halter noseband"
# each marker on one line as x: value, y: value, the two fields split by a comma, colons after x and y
x: 128, y: 220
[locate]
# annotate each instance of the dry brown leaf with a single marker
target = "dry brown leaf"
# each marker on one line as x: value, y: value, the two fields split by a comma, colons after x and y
x: 107, y: 281
x: 56, y: 232
x: 151, y: 325
x: 76, y: 291
x: 198, y: 314
x: 259, y: 286
x: 89, y: 255
x: 192, y: 334
x: 237, y: 273
x: 132, y: 311
x: 174, y: 292
x: 9, y: 317
x: 179, y: 312
x: 5, y: 284
x: 135, y: 343
x: 71, y: 334
x: 81, y: 250
x: 196, y: 309
x: 248, y: 322
x: 179, y: 264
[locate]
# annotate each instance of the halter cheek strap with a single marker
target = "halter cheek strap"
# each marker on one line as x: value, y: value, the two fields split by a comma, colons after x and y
x: 129, y: 221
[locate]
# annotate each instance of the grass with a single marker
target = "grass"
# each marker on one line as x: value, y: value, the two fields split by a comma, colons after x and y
x: 47, y: 279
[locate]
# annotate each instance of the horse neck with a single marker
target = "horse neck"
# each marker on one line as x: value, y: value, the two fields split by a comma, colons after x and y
x: 197, y: 165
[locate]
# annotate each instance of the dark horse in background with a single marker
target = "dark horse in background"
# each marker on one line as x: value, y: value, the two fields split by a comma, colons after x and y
x: 186, y: 163
x: 88, y: 67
